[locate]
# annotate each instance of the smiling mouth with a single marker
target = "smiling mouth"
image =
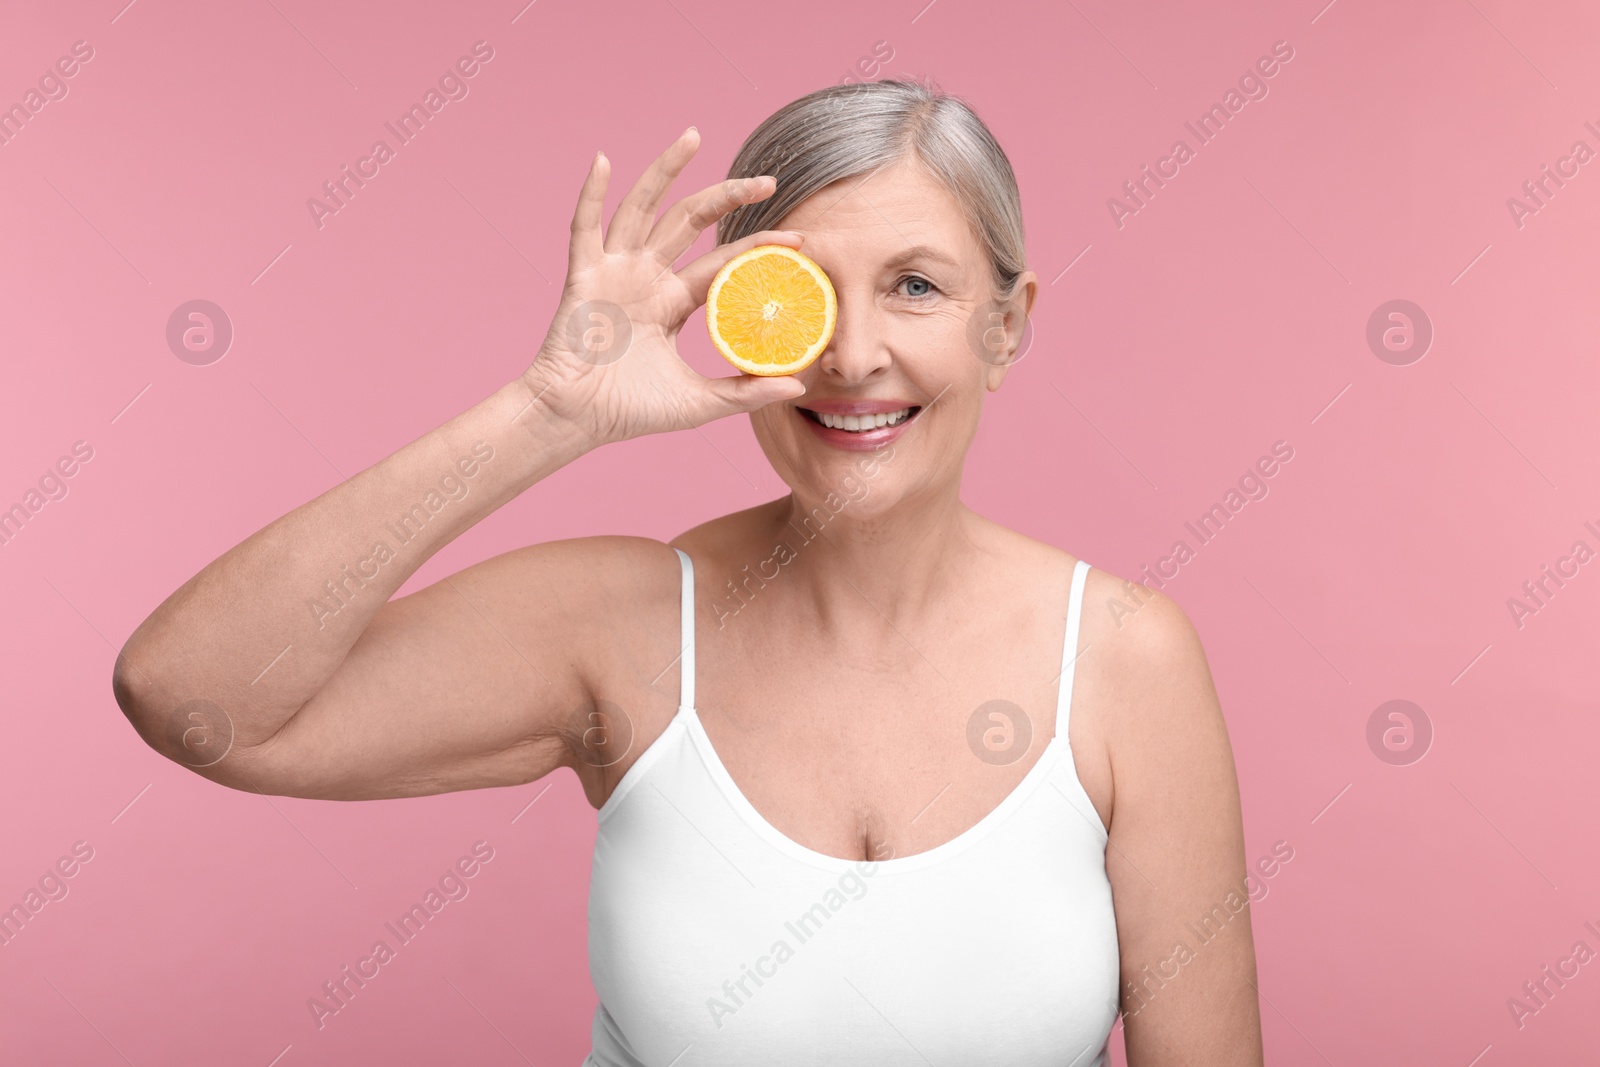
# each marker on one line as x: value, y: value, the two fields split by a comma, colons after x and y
x: 861, y: 423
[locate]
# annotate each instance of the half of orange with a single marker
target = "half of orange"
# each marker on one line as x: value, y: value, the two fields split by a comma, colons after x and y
x: 771, y: 310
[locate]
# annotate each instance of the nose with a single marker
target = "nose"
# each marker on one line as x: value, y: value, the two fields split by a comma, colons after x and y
x: 856, y: 351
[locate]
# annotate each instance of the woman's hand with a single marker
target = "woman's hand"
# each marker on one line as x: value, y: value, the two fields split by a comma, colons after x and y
x: 610, y: 363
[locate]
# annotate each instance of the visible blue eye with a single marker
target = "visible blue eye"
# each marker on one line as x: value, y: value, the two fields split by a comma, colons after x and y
x: 915, y: 280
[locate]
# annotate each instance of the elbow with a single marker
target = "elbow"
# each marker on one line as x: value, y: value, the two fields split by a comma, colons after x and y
x: 194, y: 733
x: 133, y: 690
x: 145, y: 697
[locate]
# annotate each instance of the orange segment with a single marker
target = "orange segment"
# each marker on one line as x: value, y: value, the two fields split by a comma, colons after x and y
x: 771, y: 310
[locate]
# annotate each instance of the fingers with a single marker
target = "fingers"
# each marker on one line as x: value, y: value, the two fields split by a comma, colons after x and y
x: 747, y: 392
x: 585, y: 246
x: 697, y: 275
x: 637, y: 212
x: 681, y: 226
x: 709, y: 399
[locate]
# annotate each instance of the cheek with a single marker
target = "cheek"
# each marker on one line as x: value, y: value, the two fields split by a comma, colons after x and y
x: 772, y: 423
x: 948, y: 368
x: 943, y: 330
x: 958, y: 354
x: 780, y: 436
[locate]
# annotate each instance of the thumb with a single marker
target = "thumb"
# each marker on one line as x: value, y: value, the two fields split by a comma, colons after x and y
x: 747, y: 392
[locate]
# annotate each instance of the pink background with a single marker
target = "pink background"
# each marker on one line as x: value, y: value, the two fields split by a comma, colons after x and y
x: 1229, y: 313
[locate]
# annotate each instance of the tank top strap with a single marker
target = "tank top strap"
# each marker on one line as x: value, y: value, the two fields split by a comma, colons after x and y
x: 686, y: 632
x: 1069, y: 649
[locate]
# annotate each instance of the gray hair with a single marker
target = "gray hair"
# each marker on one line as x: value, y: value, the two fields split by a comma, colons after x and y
x: 847, y: 130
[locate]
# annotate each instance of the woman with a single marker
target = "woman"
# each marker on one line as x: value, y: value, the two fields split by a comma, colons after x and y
x: 856, y: 751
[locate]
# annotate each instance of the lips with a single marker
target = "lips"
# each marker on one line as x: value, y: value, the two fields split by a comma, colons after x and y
x: 857, y: 425
x: 857, y: 407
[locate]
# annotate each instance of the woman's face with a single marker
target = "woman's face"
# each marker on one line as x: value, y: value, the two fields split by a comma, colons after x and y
x: 915, y: 301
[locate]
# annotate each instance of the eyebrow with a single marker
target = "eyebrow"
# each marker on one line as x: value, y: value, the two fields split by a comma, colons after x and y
x: 921, y: 252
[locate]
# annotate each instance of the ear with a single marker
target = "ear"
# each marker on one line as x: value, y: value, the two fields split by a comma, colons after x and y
x: 1014, y: 322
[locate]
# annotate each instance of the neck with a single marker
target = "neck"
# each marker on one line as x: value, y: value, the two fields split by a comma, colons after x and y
x: 897, y: 561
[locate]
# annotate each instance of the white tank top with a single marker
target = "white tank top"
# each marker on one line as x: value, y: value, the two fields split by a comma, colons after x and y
x: 715, y: 939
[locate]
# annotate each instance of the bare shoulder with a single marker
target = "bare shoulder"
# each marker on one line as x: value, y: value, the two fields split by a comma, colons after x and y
x: 1143, y: 702
x: 617, y: 590
x: 608, y: 603
x: 1140, y: 628
x: 602, y: 570
x: 611, y: 603
x: 615, y: 561
x: 1129, y: 633
x: 1149, y: 670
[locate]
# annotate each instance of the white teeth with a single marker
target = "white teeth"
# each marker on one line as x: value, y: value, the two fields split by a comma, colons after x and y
x: 860, y: 423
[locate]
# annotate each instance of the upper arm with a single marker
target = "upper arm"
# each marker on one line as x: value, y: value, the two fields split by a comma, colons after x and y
x: 1175, y: 853
x: 477, y: 680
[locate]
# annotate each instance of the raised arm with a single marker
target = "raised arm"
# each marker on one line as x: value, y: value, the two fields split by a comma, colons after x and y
x: 284, y: 667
